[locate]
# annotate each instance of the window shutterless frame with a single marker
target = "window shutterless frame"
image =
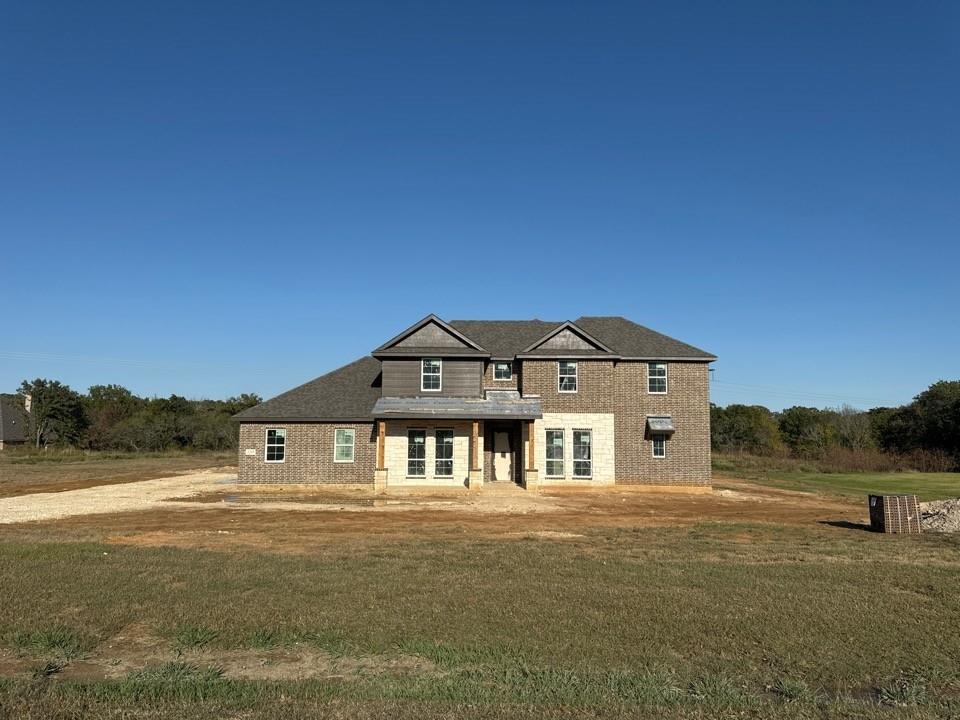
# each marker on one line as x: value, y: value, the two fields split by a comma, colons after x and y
x: 566, y: 376
x: 416, y: 453
x: 443, y: 453
x: 503, y: 371
x: 657, y: 378
x: 554, y: 453
x: 582, y: 453
x: 343, y: 445
x: 274, y: 445
x: 431, y: 374
x: 659, y: 442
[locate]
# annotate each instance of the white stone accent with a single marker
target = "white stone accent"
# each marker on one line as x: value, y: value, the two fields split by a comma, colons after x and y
x: 602, y: 427
x: 395, y: 452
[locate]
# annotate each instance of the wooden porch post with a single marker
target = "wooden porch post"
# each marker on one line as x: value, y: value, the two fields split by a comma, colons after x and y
x: 474, y: 449
x: 530, y: 446
x: 381, y: 442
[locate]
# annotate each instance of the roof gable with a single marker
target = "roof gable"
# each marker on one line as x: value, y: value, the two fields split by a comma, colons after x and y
x: 564, y: 338
x: 430, y: 334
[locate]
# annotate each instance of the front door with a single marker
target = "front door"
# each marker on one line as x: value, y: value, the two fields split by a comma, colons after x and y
x: 502, y: 457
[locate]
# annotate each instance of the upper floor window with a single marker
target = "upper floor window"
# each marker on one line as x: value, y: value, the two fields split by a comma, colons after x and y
x: 343, y: 441
x: 657, y: 378
x: 275, y: 445
x: 430, y: 374
x: 503, y: 371
x: 566, y: 376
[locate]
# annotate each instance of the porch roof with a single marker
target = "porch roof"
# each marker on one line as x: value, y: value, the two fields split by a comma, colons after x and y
x: 498, y: 405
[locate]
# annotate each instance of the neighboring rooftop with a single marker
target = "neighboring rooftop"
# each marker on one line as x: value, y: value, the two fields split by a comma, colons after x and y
x: 13, y: 420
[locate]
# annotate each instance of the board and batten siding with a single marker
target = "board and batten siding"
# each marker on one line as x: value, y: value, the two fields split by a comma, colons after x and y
x: 461, y: 378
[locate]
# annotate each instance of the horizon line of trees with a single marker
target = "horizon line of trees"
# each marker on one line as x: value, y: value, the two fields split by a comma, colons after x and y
x: 111, y: 417
x: 922, y: 435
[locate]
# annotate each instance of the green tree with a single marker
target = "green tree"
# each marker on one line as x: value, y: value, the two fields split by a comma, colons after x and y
x: 744, y: 428
x: 806, y: 430
x: 938, y: 410
x: 56, y: 412
x: 106, y: 407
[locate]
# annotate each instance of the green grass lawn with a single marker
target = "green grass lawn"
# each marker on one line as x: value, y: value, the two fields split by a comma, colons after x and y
x: 794, y: 475
x: 926, y: 486
x: 715, y: 621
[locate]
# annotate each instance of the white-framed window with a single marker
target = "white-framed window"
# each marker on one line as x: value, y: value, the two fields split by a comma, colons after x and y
x: 431, y: 374
x: 659, y: 445
x: 657, y: 378
x: 416, y: 453
x: 443, y: 454
x: 582, y: 453
x: 275, y: 445
x: 343, y: 442
x: 554, y: 447
x: 566, y: 376
x: 503, y: 371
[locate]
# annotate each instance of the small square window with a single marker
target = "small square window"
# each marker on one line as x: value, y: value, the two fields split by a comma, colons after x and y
x: 657, y: 378
x: 503, y: 371
x: 567, y: 376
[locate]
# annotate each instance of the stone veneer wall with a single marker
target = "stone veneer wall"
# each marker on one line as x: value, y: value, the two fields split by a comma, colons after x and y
x: 603, y: 440
x: 605, y: 386
x: 395, y: 452
x: 308, y: 454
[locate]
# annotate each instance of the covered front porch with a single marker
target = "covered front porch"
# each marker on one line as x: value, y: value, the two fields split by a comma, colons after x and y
x: 456, y: 442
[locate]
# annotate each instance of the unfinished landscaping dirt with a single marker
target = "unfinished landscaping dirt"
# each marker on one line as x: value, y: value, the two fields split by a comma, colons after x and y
x: 220, y: 515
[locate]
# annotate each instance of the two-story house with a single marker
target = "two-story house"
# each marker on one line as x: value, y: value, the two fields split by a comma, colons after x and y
x: 588, y: 403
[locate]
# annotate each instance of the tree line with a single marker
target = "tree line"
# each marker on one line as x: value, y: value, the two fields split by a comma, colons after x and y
x: 110, y: 417
x: 923, y: 435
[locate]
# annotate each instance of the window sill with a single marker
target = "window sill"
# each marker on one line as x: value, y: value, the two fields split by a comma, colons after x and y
x: 344, y: 462
x: 274, y: 462
x: 655, y: 392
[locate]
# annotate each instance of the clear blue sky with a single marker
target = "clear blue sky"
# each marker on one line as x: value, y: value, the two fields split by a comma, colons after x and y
x: 213, y: 198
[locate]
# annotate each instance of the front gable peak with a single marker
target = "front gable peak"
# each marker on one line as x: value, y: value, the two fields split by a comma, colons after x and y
x: 567, y: 338
x: 430, y: 335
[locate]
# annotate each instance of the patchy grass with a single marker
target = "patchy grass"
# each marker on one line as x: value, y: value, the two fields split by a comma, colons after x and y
x: 32, y: 472
x: 795, y: 475
x: 717, y: 620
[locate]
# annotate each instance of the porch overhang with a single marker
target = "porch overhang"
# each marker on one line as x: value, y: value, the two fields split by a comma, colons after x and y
x: 496, y: 406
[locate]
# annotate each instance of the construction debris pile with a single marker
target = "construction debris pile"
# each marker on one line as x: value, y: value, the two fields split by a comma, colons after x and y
x: 940, y: 515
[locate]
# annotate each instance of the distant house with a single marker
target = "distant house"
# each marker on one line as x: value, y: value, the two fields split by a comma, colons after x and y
x: 590, y: 403
x: 13, y: 422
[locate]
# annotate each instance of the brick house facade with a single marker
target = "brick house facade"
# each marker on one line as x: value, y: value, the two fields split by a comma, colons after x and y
x: 590, y: 403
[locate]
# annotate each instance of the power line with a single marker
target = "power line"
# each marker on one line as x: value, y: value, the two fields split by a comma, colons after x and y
x: 801, y: 394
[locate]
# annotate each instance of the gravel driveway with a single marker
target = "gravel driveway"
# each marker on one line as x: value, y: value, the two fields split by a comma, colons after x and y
x: 124, y: 497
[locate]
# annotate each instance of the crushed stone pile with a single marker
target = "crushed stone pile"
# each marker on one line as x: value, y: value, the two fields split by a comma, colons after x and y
x: 940, y: 515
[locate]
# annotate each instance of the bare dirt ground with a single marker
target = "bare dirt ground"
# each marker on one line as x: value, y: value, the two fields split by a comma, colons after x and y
x: 208, y: 510
x: 19, y: 477
x: 136, y: 648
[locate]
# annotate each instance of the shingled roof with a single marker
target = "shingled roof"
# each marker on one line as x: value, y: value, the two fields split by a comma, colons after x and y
x: 627, y: 339
x: 346, y: 394
x: 349, y: 393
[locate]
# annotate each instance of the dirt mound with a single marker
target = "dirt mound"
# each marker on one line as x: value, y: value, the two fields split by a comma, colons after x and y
x: 941, y: 515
